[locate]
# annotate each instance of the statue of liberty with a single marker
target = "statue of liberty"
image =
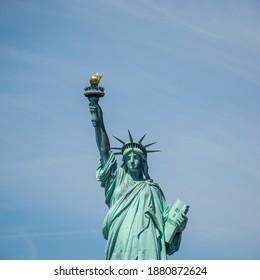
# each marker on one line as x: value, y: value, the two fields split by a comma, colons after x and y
x: 139, y: 225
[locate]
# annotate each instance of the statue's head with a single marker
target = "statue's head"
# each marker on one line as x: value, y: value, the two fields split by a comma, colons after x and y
x: 135, y: 155
x: 135, y: 160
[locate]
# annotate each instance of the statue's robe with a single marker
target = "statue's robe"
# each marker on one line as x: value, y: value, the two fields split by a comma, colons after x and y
x: 134, y: 224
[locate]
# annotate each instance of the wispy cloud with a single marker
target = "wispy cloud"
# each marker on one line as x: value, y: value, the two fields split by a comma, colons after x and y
x: 49, y: 234
x: 227, y: 36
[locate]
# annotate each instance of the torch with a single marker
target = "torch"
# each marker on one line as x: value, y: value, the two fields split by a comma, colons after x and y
x: 94, y: 92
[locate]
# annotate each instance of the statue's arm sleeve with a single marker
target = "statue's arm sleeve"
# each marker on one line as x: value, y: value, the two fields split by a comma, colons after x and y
x: 106, y: 173
x: 174, y: 245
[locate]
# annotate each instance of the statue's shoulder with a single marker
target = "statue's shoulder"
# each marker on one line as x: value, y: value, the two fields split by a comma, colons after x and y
x: 152, y: 183
x: 155, y: 186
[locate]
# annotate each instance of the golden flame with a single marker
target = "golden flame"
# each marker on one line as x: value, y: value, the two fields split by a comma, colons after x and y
x: 95, y: 79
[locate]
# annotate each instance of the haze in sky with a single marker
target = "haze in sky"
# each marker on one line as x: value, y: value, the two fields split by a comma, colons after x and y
x: 184, y: 72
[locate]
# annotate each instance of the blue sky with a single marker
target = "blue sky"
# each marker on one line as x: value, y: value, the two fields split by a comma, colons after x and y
x: 185, y: 72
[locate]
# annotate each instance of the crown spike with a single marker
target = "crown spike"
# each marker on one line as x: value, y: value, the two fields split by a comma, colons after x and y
x: 130, y: 137
x: 153, y: 151
x: 140, y: 141
x: 119, y: 140
x: 149, y: 144
x: 131, y: 144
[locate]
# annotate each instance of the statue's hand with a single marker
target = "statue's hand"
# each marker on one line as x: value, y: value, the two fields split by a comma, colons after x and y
x: 182, y: 221
x: 96, y: 113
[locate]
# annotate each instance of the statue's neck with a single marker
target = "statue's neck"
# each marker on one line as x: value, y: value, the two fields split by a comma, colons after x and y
x: 136, y: 175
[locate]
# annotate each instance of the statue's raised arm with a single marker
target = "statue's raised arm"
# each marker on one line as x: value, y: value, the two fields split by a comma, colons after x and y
x: 94, y: 92
x: 101, y: 134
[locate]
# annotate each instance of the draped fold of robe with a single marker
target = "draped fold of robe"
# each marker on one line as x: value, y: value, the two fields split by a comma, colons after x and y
x: 134, y: 224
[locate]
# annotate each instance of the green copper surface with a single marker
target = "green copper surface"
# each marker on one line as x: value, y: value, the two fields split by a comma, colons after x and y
x: 139, y: 225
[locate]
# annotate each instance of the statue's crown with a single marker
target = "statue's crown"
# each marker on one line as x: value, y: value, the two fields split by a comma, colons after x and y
x: 135, y: 146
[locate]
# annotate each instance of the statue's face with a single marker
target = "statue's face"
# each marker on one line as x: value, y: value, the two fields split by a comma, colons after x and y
x: 133, y: 161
